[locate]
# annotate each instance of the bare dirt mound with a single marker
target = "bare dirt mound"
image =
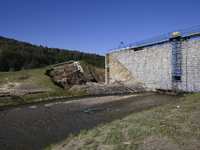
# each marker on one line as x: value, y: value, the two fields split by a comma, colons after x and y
x: 72, y: 74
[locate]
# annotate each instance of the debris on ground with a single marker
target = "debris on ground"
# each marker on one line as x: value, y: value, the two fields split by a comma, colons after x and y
x: 74, y: 77
x: 72, y: 74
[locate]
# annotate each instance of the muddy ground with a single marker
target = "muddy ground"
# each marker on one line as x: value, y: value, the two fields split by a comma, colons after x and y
x: 68, y: 75
x: 35, y: 126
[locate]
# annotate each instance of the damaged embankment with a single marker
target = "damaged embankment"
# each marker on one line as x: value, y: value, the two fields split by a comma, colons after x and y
x: 30, y: 86
x: 75, y: 77
x: 69, y: 80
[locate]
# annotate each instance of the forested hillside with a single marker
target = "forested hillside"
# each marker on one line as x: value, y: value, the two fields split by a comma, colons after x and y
x: 16, y: 55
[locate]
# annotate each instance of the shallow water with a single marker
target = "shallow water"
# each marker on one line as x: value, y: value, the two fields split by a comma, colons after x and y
x: 22, y: 127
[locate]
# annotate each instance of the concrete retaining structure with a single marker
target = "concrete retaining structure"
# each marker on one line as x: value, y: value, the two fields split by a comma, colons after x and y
x: 153, y: 67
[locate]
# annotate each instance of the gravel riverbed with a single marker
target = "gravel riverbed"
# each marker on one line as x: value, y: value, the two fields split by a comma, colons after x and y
x: 35, y: 126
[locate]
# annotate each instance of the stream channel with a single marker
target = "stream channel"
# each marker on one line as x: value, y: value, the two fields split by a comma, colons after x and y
x: 36, y: 127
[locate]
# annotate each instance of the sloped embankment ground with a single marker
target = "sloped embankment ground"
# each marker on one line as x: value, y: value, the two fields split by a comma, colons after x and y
x: 30, y: 86
x: 68, y: 75
x: 88, y: 78
x: 174, y: 126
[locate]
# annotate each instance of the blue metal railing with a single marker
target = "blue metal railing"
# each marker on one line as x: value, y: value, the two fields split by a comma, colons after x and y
x: 151, y: 41
x: 189, y: 32
x: 124, y: 47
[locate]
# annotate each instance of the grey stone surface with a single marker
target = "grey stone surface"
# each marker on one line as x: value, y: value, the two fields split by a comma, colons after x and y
x: 112, y: 89
x: 153, y: 66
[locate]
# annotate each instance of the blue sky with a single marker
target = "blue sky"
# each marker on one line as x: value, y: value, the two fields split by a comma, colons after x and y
x: 94, y: 26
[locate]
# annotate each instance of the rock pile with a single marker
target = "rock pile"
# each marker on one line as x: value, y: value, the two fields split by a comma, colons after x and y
x: 72, y: 74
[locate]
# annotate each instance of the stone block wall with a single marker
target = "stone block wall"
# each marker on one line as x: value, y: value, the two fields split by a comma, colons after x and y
x: 153, y: 66
x: 190, y: 66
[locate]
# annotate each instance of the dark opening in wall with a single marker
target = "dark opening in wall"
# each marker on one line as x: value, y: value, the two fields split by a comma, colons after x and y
x: 177, y: 78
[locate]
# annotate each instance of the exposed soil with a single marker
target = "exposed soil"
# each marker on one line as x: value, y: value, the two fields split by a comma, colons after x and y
x: 69, y: 75
x: 72, y: 77
x: 88, y: 78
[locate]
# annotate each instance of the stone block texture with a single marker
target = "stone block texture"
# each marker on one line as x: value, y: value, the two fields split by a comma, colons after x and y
x: 153, y: 67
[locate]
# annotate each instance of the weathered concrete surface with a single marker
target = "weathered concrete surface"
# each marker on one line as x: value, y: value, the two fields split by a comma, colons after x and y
x: 117, y: 72
x: 153, y: 66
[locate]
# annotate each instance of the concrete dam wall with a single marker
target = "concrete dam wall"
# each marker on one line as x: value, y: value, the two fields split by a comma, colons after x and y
x: 152, y: 67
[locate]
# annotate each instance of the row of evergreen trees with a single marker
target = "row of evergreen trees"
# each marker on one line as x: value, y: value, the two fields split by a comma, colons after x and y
x: 16, y: 55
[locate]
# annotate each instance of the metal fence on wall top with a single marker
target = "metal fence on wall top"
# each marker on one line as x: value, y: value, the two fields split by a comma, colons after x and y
x: 185, y: 33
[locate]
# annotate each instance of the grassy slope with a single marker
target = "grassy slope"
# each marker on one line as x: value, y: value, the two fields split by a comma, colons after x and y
x: 174, y: 126
x: 27, y: 78
x: 34, y: 78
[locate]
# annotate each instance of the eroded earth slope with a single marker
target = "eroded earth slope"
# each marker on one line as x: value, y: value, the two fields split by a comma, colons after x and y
x: 69, y: 75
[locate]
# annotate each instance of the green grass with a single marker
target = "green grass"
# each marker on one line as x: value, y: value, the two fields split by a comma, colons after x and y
x: 5, y: 99
x: 88, y: 141
x: 35, y: 78
x: 121, y: 147
x: 85, y: 64
x: 92, y: 146
x: 96, y: 133
x: 70, y: 137
x: 28, y: 78
x: 113, y: 137
x: 82, y: 133
x: 62, y: 143
x: 181, y: 119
